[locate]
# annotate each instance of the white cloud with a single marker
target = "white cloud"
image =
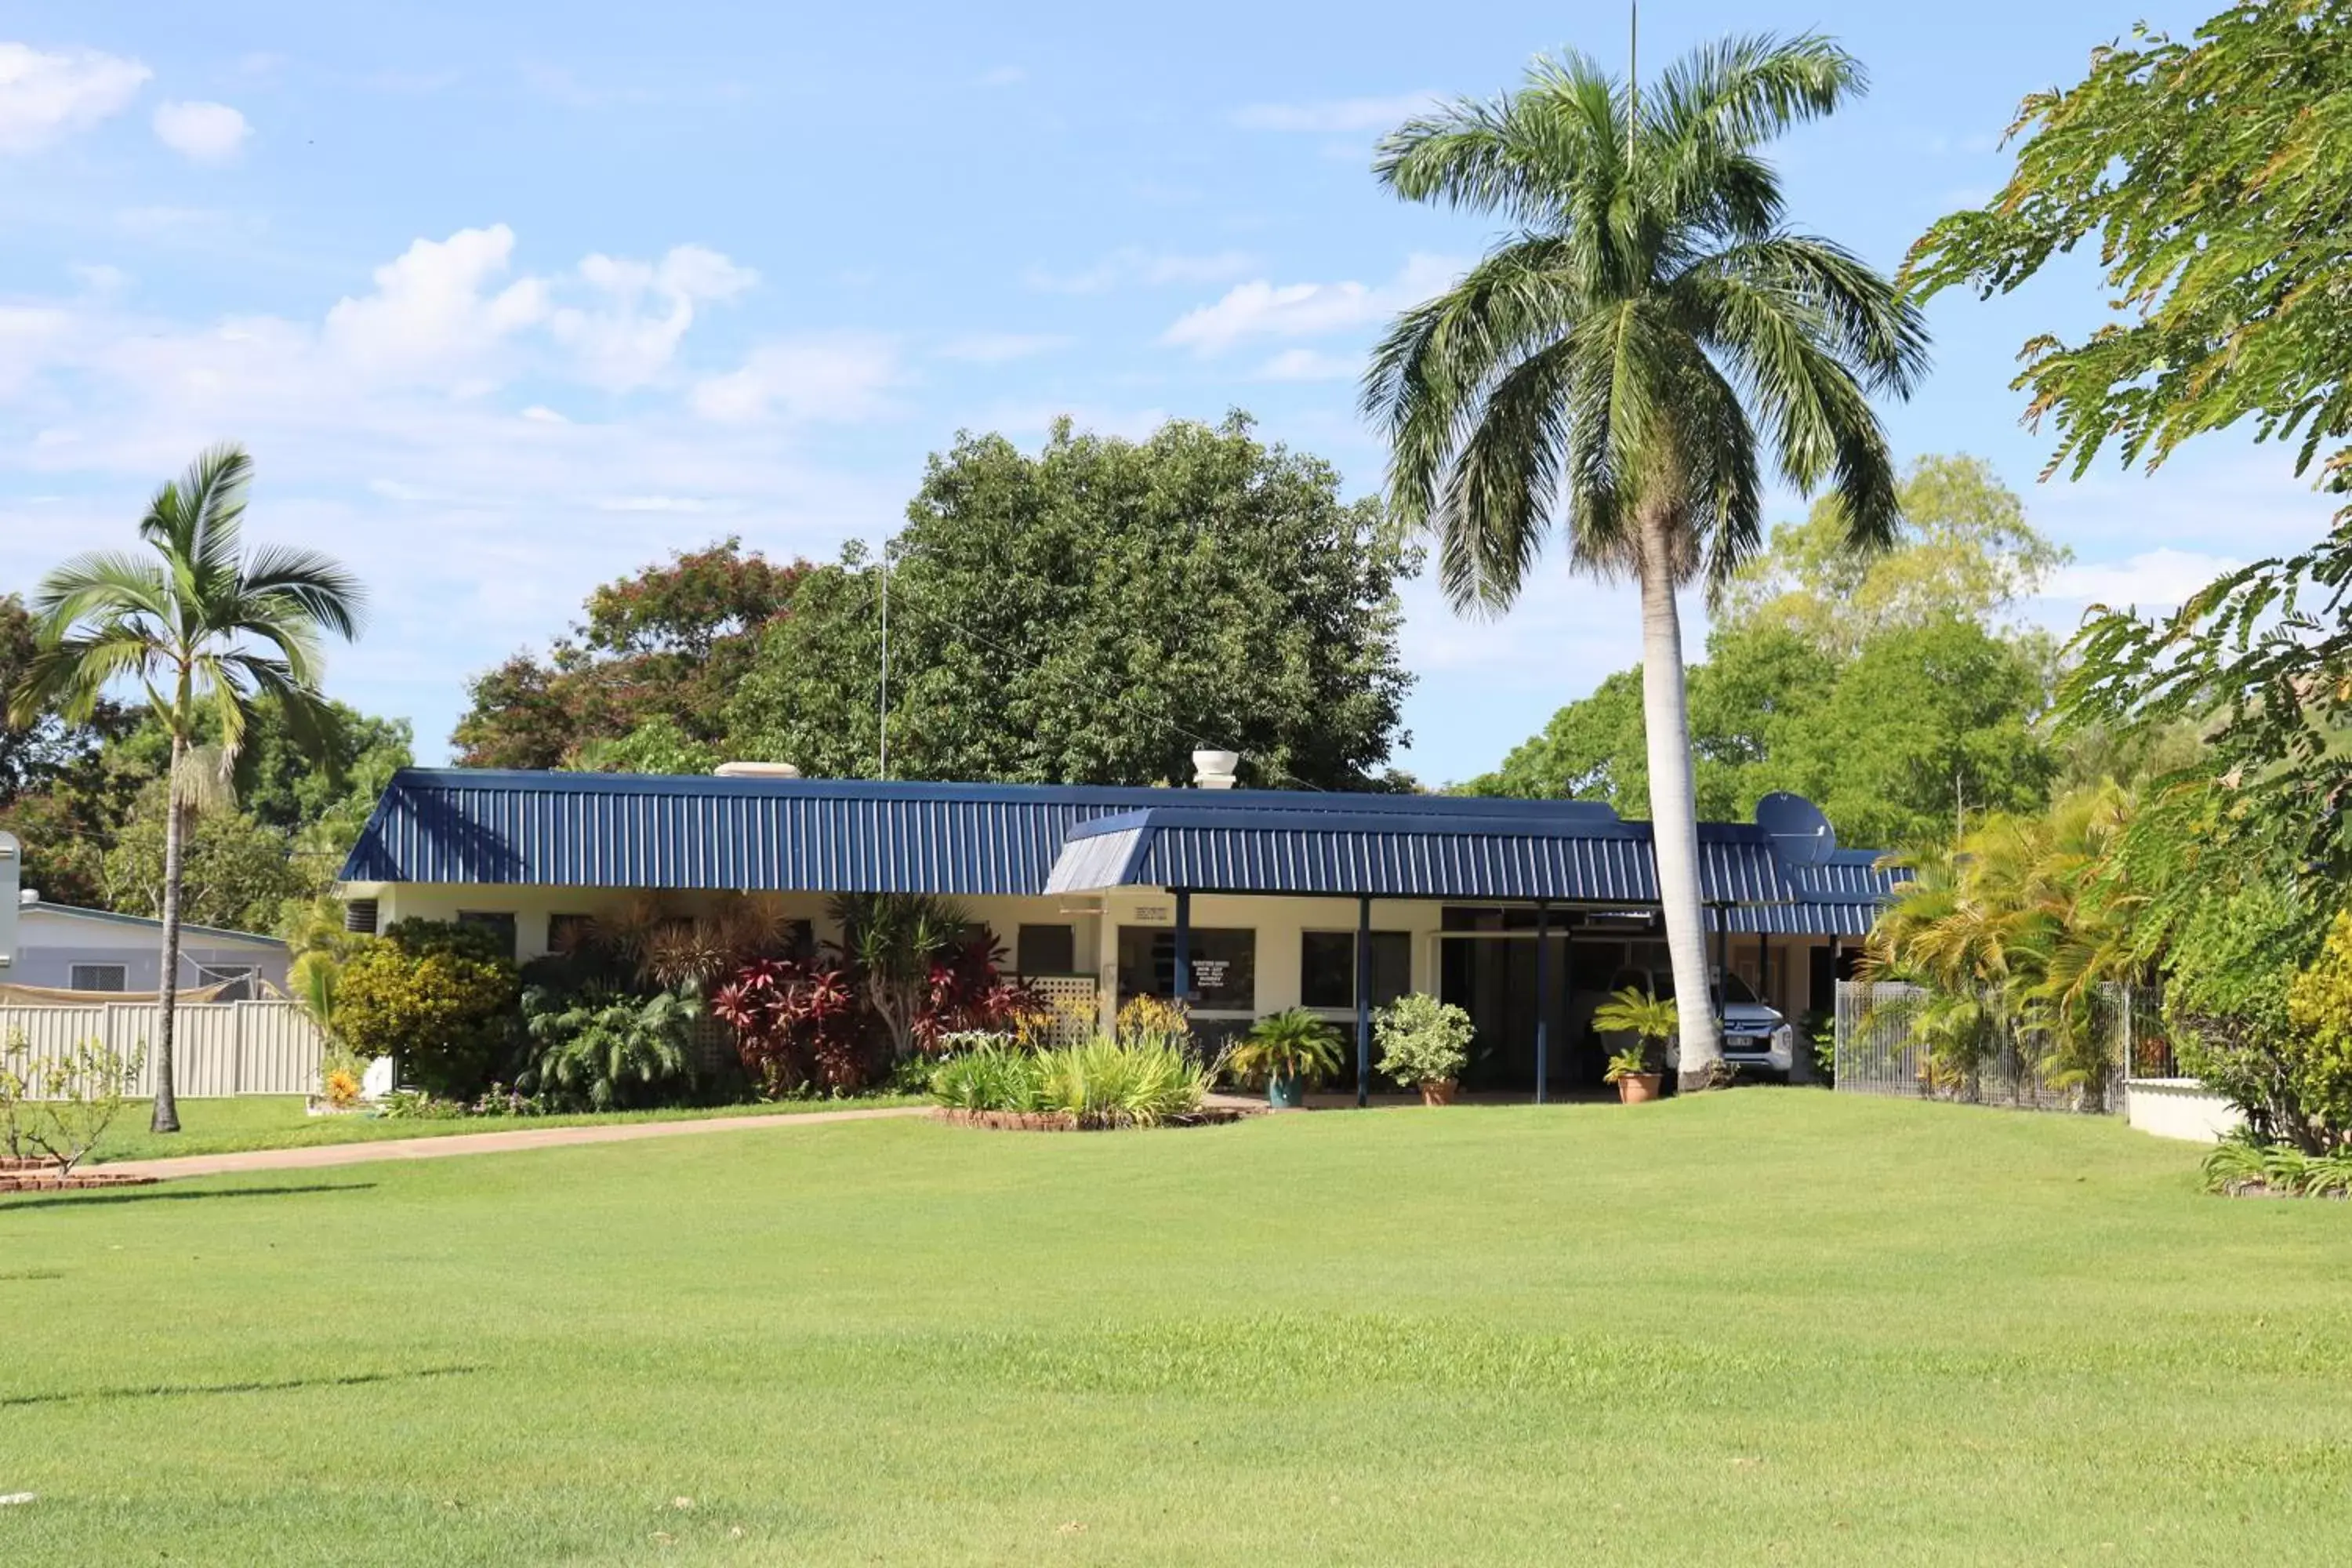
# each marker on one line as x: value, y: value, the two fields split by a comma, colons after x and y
x: 620, y: 345
x: 831, y: 376
x: 101, y: 277
x: 201, y: 133
x: 2153, y: 578
x: 997, y: 348
x: 1336, y: 115
x: 1309, y: 364
x: 429, y: 319
x: 1262, y: 308
x: 46, y: 96
x: 1004, y: 76
x: 1132, y: 265
x: 479, y: 521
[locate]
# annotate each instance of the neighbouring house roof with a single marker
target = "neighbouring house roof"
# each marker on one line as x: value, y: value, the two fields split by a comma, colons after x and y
x: 620, y: 830
x: 209, y: 933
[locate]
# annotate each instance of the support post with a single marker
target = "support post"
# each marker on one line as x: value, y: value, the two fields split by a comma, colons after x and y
x: 1722, y: 959
x: 1764, y: 965
x: 1184, y: 945
x: 1364, y: 1001
x: 1543, y: 997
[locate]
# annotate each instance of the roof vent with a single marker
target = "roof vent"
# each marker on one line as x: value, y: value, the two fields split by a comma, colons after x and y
x: 1214, y: 770
x: 359, y: 917
x: 757, y: 771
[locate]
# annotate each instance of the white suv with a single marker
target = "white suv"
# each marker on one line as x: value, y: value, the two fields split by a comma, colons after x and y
x: 1754, y: 1035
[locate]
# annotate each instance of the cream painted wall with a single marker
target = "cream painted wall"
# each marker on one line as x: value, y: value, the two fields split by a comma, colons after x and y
x: 1096, y: 920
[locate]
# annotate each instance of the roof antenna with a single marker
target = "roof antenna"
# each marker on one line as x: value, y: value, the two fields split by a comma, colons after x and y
x: 1633, y: 76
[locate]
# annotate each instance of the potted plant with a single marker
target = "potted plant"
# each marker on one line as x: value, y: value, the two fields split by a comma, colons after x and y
x: 1424, y: 1045
x: 1635, y: 1071
x: 1290, y: 1051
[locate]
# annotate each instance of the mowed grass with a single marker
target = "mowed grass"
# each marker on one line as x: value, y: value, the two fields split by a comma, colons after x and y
x: 1767, y: 1327
x: 281, y: 1121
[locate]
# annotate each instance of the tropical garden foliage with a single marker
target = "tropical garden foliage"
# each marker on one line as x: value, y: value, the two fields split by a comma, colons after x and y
x: 2212, y: 172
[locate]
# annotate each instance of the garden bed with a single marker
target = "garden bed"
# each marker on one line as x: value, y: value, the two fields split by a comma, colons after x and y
x: 1063, y: 1121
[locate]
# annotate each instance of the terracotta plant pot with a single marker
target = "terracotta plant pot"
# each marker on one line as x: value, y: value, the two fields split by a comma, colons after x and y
x: 1640, y: 1087
x: 1438, y: 1093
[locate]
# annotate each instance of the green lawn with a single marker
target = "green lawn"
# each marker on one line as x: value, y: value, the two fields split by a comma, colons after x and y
x: 1767, y: 1327
x: 280, y: 1122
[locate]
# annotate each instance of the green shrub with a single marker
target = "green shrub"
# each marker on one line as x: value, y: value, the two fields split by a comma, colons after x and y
x: 1651, y: 1020
x: 1422, y: 1040
x: 609, y: 1052
x: 1296, y: 1045
x: 2319, y: 1052
x: 2245, y: 1162
x: 439, y: 997
x: 1105, y: 1082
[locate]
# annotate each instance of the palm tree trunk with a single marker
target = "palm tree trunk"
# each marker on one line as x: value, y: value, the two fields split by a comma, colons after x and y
x: 1673, y: 808
x: 167, y: 1106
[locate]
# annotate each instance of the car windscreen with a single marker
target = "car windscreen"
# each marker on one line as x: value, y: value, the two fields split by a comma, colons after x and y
x: 1734, y: 990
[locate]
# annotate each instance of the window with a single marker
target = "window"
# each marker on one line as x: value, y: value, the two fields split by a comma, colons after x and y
x: 501, y: 923
x: 96, y: 977
x: 1327, y: 968
x: 238, y: 982
x: 1224, y: 966
x: 1047, y: 950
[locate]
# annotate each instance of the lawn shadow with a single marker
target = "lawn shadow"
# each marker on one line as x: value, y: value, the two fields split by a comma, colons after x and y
x: 254, y: 1385
x: 98, y: 1197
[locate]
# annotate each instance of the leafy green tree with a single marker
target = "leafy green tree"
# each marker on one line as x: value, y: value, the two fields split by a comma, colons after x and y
x: 1606, y: 367
x: 1093, y: 613
x: 2213, y: 174
x: 1752, y: 703
x: 237, y: 872
x: 1930, y: 728
x: 1964, y: 548
x: 668, y: 644
x: 656, y: 746
x: 203, y: 626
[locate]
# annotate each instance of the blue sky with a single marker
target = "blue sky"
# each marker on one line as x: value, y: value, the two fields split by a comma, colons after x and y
x: 509, y: 299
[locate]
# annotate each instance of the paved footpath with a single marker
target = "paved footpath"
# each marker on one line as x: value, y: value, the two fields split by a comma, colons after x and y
x: 321, y: 1155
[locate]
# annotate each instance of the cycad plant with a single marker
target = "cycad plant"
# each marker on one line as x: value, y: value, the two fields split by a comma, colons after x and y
x: 1623, y: 362
x: 203, y: 628
x: 1289, y: 1052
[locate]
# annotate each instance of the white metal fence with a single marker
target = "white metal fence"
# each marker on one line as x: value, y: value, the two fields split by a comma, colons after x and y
x: 218, y: 1048
x: 1880, y: 1050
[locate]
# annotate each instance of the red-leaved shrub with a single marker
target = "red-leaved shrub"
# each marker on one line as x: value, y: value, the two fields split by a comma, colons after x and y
x: 796, y: 1025
x: 968, y: 991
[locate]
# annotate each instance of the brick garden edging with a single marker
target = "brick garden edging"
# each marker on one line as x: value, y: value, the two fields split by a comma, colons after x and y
x: 1063, y: 1122
x: 43, y: 1176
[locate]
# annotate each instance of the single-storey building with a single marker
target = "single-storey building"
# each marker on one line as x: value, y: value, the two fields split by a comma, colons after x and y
x: 1250, y: 901
x: 63, y: 947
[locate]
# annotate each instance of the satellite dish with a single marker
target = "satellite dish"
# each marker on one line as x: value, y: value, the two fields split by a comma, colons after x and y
x: 1798, y: 829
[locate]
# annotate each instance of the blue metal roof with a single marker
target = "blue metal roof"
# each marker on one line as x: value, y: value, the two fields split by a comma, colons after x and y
x: 620, y: 830
x: 1432, y: 855
x: 1838, y: 896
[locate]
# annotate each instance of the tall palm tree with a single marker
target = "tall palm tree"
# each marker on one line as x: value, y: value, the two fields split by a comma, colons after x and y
x: 203, y: 628
x: 1606, y: 367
